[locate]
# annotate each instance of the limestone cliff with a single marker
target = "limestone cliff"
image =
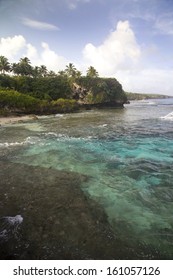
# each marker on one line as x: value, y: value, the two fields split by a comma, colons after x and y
x: 99, y: 92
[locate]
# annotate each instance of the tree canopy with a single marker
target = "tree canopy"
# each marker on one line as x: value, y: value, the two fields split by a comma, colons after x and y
x: 92, y: 72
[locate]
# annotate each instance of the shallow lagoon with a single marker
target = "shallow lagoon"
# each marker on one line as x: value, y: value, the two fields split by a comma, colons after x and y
x: 92, y: 185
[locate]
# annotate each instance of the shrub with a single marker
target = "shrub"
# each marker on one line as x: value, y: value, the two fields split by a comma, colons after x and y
x: 14, y: 101
x: 64, y: 105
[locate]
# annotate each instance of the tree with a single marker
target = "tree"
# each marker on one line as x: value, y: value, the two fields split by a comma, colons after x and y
x: 70, y: 70
x: 43, y: 71
x: 78, y: 74
x: 4, y: 64
x: 35, y: 72
x: 51, y: 74
x: 62, y: 73
x: 23, y: 68
x: 92, y: 72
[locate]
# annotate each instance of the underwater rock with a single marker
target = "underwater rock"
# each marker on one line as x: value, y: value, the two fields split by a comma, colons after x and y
x: 58, y: 220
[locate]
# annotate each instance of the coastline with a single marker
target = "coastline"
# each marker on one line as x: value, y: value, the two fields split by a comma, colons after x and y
x: 16, y: 119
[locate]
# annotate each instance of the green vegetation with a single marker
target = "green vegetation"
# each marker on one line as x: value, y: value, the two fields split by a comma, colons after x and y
x: 141, y: 96
x: 92, y: 72
x: 11, y: 100
x: 28, y: 89
x: 4, y: 65
x: 64, y: 105
x: 102, y: 90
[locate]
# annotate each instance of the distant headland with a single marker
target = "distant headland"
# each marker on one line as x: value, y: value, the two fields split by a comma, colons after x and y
x: 142, y: 96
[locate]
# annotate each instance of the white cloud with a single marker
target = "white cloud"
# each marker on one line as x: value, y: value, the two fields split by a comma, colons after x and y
x: 38, y: 24
x: 122, y: 57
x: 31, y: 52
x: 16, y: 47
x: 11, y: 46
x: 164, y: 24
x: 51, y: 59
x: 119, y: 51
x: 45, y: 56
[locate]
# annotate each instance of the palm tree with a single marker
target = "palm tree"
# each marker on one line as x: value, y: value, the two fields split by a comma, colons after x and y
x: 4, y: 65
x: 43, y: 70
x: 51, y: 74
x: 25, y: 60
x: 92, y: 72
x: 70, y: 70
x: 35, y: 72
x: 14, y: 68
x: 78, y: 74
x: 23, y: 68
x: 62, y: 73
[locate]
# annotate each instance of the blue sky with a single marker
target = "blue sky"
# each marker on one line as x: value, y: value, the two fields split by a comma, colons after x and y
x: 131, y: 40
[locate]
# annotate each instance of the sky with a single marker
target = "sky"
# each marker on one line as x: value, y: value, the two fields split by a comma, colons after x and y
x: 131, y: 40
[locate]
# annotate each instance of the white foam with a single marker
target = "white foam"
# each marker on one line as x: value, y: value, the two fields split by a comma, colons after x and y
x: 59, y: 115
x: 103, y: 125
x: 51, y: 133
x: 16, y: 220
x: 8, y: 144
x: 168, y: 117
x: 29, y: 140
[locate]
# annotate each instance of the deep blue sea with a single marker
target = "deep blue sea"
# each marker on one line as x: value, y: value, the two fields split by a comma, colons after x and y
x: 126, y: 156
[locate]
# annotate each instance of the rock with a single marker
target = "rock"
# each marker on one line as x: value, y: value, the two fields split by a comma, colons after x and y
x: 34, y: 117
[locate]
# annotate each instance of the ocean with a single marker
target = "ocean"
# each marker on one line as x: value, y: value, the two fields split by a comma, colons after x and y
x: 91, y: 185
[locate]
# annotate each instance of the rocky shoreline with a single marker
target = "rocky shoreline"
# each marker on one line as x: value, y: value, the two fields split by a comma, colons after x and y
x: 12, y: 119
x: 16, y: 119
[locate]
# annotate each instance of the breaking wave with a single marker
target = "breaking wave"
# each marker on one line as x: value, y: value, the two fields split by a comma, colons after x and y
x: 168, y: 117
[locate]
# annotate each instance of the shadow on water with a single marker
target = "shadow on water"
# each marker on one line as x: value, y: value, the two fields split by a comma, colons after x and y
x: 57, y: 220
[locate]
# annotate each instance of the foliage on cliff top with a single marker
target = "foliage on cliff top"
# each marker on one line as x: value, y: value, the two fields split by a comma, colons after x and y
x: 41, y: 84
x: 102, y: 90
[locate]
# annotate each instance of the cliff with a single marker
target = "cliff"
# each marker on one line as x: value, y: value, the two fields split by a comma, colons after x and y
x: 49, y: 95
x: 98, y: 92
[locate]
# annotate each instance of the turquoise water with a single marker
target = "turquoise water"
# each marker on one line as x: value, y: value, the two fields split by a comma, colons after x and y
x: 127, y: 156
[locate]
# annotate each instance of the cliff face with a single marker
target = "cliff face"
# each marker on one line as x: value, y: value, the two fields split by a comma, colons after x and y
x: 99, y: 92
